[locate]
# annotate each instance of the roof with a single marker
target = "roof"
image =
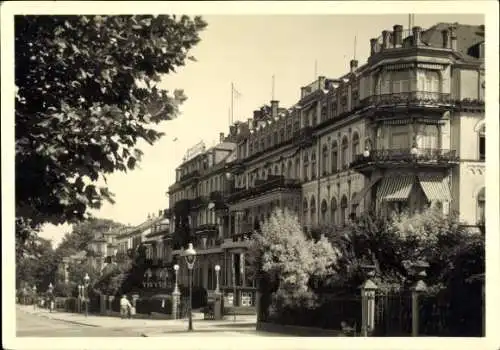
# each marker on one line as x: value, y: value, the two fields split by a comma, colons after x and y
x: 467, y: 37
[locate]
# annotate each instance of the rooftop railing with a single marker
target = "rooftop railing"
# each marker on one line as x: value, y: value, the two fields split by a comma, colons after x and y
x: 437, y: 155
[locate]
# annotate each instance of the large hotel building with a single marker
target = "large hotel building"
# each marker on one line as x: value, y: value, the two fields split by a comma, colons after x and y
x: 405, y: 130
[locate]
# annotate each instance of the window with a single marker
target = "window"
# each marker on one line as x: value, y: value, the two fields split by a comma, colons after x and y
x: 289, y: 131
x: 324, y: 209
x: 400, y: 81
x: 297, y: 168
x: 306, y: 167
x: 481, y: 206
x: 345, y: 146
x: 305, y: 209
x: 355, y: 146
x: 313, y: 210
x: 399, y: 137
x: 282, y: 135
x: 333, y: 210
x: 275, y: 138
x: 354, y: 207
x: 482, y: 143
x: 324, y: 165
x: 276, y: 170
x: 428, y: 81
x: 313, y: 165
x: 289, y: 170
x: 343, y: 210
x: 335, y: 154
x: 427, y: 137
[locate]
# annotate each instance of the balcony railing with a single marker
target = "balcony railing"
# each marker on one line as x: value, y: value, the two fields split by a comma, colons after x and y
x: 207, y: 227
x: 303, y: 137
x: 194, y: 175
x: 424, y: 155
x: 241, y: 237
x: 413, y: 97
x: 263, y: 186
x: 199, y: 201
x: 159, y: 228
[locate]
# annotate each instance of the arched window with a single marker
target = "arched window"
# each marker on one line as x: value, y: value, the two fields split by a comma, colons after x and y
x: 324, y: 166
x: 335, y: 157
x: 481, y: 202
x: 269, y: 172
x: 354, y: 207
x: 305, y: 209
x: 355, y: 146
x: 313, y: 165
x: 482, y: 143
x: 306, y: 167
x: 343, y: 210
x: 333, y: 210
x: 344, y: 155
x: 324, y: 209
x: 276, y: 170
x: 313, y: 210
x: 283, y: 169
x: 290, y: 170
x: 297, y: 168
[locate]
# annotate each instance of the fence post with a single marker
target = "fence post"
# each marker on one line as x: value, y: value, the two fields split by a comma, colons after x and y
x: 416, y: 290
x: 368, y: 290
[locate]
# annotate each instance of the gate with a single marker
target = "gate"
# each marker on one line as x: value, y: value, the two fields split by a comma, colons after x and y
x: 393, y: 314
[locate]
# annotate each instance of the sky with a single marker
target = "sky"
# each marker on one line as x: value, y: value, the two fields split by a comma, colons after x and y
x: 247, y: 51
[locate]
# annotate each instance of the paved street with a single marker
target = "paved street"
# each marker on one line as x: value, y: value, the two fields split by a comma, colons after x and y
x: 41, y: 323
x: 30, y: 325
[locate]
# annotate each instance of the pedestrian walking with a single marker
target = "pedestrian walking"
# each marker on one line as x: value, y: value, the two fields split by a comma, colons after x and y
x: 124, y: 306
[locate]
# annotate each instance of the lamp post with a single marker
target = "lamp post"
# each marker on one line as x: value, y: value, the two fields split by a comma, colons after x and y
x: 34, y: 297
x: 51, y: 290
x: 217, y: 270
x: 190, y: 256
x: 86, y: 282
x: 175, y: 294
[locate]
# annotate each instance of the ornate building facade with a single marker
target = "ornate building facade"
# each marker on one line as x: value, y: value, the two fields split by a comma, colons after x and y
x: 405, y: 130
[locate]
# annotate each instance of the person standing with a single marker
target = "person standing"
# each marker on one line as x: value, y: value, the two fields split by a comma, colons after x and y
x: 125, y: 306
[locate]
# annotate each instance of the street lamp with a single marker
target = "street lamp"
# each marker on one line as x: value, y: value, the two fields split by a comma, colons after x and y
x: 51, y: 289
x: 176, y: 287
x: 190, y: 256
x: 34, y: 297
x: 86, y: 281
x: 217, y: 269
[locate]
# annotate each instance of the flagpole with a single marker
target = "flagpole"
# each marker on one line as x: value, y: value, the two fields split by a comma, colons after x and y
x: 232, y: 103
x: 272, y: 97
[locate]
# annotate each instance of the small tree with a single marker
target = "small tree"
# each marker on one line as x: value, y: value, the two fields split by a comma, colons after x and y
x: 285, y: 260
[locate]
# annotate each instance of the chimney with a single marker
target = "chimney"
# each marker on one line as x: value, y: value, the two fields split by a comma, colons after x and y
x: 453, y: 36
x: 446, y: 38
x: 373, y: 46
x: 397, y: 35
x: 232, y: 130
x: 385, y: 39
x: 274, y: 108
x: 221, y: 137
x: 256, y: 115
x: 250, y: 123
x: 354, y: 65
x: 417, y: 38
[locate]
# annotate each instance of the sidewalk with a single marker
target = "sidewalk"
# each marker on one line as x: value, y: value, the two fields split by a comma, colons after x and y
x: 116, y: 322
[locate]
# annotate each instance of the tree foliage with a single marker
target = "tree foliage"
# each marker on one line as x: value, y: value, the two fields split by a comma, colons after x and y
x: 36, y: 265
x: 289, y: 260
x: 86, y: 94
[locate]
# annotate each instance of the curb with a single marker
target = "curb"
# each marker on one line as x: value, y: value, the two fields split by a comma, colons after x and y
x: 70, y: 321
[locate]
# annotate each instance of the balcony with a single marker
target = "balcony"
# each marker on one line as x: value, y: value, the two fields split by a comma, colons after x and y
x: 303, y: 137
x: 262, y: 186
x: 403, y: 157
x: 190, y: 177
x: 207, y: 228
x: 242, y: 237
x: 413, y: 98
x: 199, y: 201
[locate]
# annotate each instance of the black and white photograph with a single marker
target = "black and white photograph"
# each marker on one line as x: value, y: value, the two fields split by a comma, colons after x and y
x: 198, y: 174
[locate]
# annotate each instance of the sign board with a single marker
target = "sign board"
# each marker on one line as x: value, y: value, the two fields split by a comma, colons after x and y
x: 195, y: 150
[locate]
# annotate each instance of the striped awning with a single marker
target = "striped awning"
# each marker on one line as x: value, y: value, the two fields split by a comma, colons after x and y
x: 434, y: 187
x: 396, y: 188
